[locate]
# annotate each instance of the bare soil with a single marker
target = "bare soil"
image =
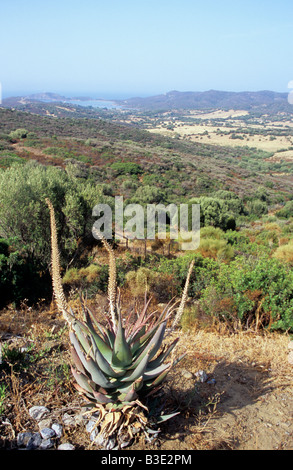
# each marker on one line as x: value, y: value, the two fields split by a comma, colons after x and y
x: 233, y: 391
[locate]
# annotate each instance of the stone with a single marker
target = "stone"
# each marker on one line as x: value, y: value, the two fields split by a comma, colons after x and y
x: 47, y: 433
x: 35, y: 441
x: 111, y: 444
x: 69, y: 420
x: 202, y: 376
x: 290, y: 357
x: 46, y: 444
x: 38, y: 412
x: 186, y: 374
x: 58, y: 429
x: 290, y: 345
x: 23, y: 438
x: 90, y: 424
x: 30, y: 440
x: 66, y: 446
x: 45, y: 423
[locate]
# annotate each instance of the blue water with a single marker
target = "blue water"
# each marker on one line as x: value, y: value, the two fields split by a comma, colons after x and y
x: 94, y: 103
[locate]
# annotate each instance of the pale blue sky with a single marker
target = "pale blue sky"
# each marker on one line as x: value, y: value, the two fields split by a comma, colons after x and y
x: 144, y: 47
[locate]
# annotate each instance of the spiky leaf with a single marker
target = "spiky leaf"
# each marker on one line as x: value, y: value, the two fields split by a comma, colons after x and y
x: 122, y: 356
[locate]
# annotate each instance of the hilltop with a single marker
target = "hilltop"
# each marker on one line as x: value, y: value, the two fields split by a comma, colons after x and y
x: 211, y: 99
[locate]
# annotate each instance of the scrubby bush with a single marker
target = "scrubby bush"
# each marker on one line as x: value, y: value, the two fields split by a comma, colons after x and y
x: 285, y: 253
x: 122, y: 168
x: 286, y: 211
x: 259, y: 292
x: 146, y: 280
x: 18, y: 134
x: 214, y: 212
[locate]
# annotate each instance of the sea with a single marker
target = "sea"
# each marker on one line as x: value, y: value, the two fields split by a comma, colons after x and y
x: 94, y: 103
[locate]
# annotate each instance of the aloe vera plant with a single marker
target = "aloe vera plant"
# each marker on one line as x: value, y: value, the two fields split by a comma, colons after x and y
x: 117, y: 363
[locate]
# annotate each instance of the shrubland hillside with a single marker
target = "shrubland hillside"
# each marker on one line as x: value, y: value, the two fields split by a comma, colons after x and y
x: 240, y: 294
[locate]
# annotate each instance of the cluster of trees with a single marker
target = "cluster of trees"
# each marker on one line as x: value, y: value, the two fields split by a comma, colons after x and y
x: 25, y: 229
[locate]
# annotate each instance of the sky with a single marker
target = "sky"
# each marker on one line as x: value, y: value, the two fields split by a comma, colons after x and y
x: 127, y: 48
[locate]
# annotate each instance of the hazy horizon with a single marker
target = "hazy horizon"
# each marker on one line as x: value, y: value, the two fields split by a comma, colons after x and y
x: 114, y: 96
x: 128, y: 49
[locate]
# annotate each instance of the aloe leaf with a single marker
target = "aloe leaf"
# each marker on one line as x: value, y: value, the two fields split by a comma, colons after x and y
x: 138, y: 371
x: 97, y: 375
x: 122, y: 356
x: 82, y: 380
x: 94, y: 322
x: 151, y: 347
x: 100, y: 343
x: 102, y: 346
x: 134, y: 339
x: 90, y: 366
x: 150, y: 374
x: 130, y: 396
x: 103, y: 363
x: 76, y: 360
x: 163, y: 418
x: 101, y: 398
x: 150, y: 332
x: 82, y: 338
x: 140, y: 320
x: 110, y: 337
x: 158, y: 380
x: 163, y: 355
x: 125, y: 387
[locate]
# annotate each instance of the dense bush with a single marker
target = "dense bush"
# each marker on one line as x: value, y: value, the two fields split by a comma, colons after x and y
x: 256, y: 292
x: 24, y: 217
x: 122, y: 168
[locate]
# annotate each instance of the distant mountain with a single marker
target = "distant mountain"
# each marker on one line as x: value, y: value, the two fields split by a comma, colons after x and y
x: 46, y: 96
x: 209, y: 100
x: 258, y: 101
x: 16, y: 101
x: 56, y: 97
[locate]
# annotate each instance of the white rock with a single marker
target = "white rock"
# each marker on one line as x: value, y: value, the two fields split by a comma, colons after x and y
x: 45, y: 423
x: 47, y: 433
x: 58, y: 428
x: 186, y: 374
x: 66, y: 446
x: 35, y: 441
x: 69, y: 420
x: 38, y: 412
x: 46, y: 444
x: 23, y: 438
x: 202, y: 376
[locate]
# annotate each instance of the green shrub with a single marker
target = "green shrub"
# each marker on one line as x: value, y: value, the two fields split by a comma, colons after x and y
x: 18, y: 134
x: 255, y: 287
x: 123, y: 168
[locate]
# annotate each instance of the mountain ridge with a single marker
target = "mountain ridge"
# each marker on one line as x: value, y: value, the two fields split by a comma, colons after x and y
x: 209, y: 99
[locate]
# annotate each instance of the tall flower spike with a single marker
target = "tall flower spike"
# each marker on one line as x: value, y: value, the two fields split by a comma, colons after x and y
x: 184, y: 296
x: 112, y: 283
x: 55, y: 263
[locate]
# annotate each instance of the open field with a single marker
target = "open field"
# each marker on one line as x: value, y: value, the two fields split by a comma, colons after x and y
x: 226, y: 128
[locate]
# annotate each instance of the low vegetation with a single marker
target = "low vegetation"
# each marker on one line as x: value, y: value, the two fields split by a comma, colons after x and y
x: 240, y: 280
